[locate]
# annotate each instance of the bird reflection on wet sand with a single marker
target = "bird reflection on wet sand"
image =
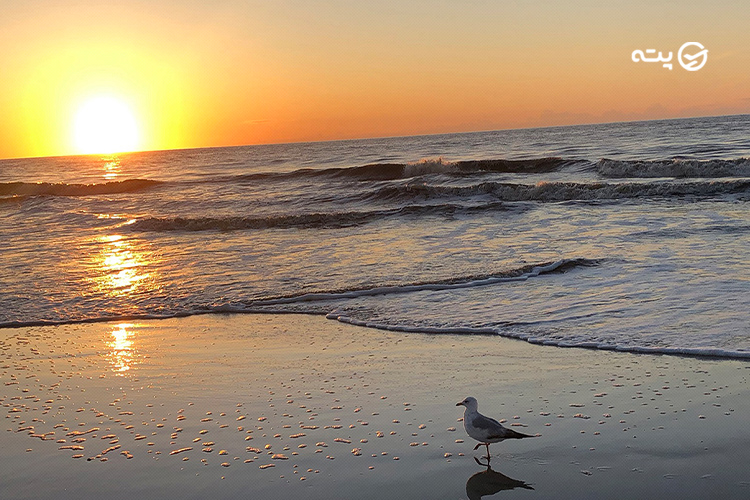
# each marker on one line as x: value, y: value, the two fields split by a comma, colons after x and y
x: 488, y: 482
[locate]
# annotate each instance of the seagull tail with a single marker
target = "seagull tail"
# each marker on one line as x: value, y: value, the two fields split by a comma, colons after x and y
x: 517, y: 435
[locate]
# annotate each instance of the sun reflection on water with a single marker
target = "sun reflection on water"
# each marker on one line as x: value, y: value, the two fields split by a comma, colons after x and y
x: 122, y: 270
x: 124, y: 266
x: 122, y: 348
x: 111, y: 167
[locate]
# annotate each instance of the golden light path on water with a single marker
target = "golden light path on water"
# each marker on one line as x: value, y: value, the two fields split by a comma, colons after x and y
x: 122, y: 269
x: 112, y: 168
x: 123, y: 265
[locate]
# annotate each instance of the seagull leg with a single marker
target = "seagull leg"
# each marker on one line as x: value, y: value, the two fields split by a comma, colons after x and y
x: 488, y: 451
x: 477, y: 446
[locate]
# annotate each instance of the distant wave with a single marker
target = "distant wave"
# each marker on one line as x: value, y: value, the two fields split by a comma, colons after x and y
x: 395, y: 171
x: 559, y: 191
x: 63, y: 189
x: 607, y: 168
x: 425, y: 200
x: 301, y: 221
x: 681, y: 168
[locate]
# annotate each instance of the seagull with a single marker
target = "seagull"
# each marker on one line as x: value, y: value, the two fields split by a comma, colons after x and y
x: 484, y: 429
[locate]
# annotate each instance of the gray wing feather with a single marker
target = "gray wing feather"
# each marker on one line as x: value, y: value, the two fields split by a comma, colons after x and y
x: 496, y: 428
x: 482, y: 422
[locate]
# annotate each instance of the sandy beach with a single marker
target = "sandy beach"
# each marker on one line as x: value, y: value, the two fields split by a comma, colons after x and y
x: 296, y: 406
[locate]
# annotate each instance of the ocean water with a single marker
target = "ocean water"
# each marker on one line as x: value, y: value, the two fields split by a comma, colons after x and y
x: 629, y: 236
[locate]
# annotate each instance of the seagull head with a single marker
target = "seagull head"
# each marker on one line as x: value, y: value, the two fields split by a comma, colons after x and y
x: 470, y: 403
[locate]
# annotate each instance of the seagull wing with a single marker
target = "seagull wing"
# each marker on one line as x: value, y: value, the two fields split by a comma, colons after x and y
x: 489, y: 424
x: 495, y: 429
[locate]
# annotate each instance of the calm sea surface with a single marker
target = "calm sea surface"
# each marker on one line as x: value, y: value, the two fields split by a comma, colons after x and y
x: 631, y: 236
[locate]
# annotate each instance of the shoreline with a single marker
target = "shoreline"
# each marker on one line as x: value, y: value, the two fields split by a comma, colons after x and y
x: 611, y: 423
x: 689, y: 352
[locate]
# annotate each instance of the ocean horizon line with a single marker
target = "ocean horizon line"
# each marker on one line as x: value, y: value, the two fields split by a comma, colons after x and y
x: 370, y: 138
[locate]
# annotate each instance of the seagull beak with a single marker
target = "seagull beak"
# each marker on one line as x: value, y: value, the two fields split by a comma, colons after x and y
x: 460, y: 404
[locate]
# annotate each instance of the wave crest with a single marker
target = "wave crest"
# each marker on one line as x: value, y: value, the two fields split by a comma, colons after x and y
x: 427, y: 166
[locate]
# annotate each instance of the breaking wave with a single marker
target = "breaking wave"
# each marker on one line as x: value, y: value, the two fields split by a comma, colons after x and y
x: 522, y: 273
x: 606, y: 168
x: 395, y: 171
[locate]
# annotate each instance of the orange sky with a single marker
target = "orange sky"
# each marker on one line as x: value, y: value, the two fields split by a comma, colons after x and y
x: 212, y: 73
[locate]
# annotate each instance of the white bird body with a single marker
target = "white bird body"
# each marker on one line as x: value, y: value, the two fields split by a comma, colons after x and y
x: 484, y: 429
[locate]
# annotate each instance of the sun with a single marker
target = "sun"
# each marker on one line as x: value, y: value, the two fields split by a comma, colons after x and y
x: 105, y: 125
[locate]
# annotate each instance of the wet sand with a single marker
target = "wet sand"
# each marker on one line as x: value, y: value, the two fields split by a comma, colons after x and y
x: 285, y: 406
